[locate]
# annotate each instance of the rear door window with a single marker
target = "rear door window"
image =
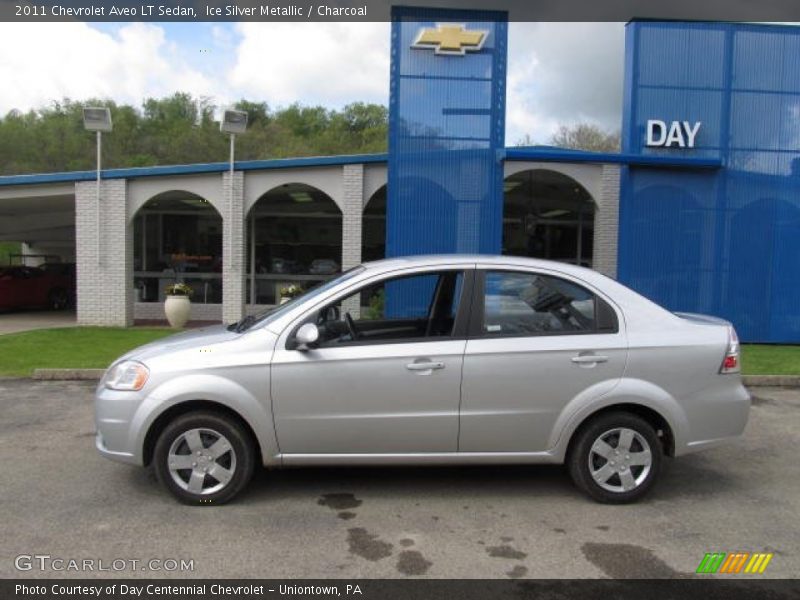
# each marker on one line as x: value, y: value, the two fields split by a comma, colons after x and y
x: 523, y: 304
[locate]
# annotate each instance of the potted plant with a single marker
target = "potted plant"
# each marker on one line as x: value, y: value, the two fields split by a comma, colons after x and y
x: 177, y: 304
x: 290, y: 291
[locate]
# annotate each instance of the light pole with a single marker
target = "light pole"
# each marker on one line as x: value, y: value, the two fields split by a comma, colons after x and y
x: 234, y: 122
x: 97, y: 119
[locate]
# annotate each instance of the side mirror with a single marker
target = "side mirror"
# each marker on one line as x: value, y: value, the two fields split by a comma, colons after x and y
x: 306, y: 336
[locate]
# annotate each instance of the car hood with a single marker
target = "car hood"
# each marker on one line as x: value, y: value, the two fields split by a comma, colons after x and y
x: 205, y: 336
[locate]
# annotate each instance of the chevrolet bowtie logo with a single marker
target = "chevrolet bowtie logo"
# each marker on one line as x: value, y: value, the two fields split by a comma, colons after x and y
x: 451, y: 39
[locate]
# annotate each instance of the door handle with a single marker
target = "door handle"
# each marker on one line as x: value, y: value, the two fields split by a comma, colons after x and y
x: 589, y: 358
x: 424, y: 366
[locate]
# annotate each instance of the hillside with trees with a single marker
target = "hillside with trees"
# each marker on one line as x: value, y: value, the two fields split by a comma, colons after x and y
x: 182, y: 129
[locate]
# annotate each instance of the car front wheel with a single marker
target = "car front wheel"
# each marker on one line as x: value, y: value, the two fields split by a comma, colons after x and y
x: 204, y: 457
x: 615, y: 458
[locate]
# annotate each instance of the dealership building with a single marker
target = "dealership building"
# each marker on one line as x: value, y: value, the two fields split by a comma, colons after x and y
x: 700, y: 211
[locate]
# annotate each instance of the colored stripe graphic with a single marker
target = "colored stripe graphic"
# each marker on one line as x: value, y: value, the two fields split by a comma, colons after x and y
x: 711, y: 562
x: 734, y: 563
x: 758, y: 563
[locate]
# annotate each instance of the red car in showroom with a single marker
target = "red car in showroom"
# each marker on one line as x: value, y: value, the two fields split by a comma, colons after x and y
x: 49, y: 286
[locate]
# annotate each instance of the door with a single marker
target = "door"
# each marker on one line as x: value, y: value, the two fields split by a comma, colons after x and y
x: 537, y: 341
x: 385, y: 374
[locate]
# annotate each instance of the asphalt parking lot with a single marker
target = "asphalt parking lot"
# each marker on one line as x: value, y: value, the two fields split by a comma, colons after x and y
x: 59, y: 498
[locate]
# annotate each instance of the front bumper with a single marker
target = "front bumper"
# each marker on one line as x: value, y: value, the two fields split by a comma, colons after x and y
x: 115, y: 420
x: 123, y: 457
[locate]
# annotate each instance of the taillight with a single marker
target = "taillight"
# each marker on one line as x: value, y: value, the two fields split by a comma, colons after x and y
x: 730, y: 364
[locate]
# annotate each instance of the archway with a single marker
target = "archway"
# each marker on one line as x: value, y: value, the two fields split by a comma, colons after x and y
x: 549, y: 215
x: 294, y: 237
x: 177, y: 237
x: 373, y: 228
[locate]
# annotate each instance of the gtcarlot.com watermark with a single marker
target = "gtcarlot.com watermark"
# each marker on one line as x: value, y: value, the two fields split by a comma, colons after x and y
x: 46, y: 562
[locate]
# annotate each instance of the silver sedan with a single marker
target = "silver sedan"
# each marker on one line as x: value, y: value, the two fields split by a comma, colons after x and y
x: 431, y: 360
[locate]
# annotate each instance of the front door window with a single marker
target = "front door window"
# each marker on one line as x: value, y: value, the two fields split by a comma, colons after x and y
x: 407, y: 308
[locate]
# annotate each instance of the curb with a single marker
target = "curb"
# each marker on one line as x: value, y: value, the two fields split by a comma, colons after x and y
x: 771, y: 380
x: 68, y: 374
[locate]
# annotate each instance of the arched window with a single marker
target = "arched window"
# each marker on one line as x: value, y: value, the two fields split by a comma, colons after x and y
x: 177, y: 237
x: 549, y: 215
x: 294, y: 238
x: 373, y: 230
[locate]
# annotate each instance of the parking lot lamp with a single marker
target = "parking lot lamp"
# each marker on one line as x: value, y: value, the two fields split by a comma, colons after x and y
x: 97, y: 119
x: 234, y: 122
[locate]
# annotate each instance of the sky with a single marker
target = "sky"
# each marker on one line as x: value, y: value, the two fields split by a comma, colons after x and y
x: 558, y: 73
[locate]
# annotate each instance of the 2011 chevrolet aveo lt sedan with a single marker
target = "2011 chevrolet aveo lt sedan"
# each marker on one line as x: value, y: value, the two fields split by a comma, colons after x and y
x: 431, y: 360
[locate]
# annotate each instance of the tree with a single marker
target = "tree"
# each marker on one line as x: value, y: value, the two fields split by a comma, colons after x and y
x: 525, y: 140
x: 182, y: 129
x: 257, y: 112
x: 585, y: 136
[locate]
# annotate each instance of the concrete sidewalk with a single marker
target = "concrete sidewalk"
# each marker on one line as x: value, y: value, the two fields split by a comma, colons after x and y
x: 14, y: 322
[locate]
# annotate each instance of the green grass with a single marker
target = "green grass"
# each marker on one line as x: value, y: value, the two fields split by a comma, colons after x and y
x: 70, y: 347
x: 760, y: 359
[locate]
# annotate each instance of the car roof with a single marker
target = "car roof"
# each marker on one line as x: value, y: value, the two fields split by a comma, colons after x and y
x: 471, y: 259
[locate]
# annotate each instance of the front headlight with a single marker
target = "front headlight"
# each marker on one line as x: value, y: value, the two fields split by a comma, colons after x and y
x: 128, y: 375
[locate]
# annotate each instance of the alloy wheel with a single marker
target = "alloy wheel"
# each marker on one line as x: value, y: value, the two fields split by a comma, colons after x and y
x: 201, y: 461
x: 620, y: 460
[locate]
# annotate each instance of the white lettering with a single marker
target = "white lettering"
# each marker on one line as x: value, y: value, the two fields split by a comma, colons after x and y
x: 652, y: 124
x: 682, y: 134
x: 123, y: 11
x: 675, y: 135
x: 131, y: 590
x: 691, y: 132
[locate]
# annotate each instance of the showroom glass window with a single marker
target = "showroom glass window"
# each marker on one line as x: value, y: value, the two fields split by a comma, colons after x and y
x: 178, y: 237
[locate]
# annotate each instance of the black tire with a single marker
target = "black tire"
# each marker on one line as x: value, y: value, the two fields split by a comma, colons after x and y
x: 57, y: 299
x: 580, y: 454
x: 240, y: 455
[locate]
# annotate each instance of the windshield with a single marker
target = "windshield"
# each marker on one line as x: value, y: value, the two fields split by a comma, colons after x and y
x: 273, y: 313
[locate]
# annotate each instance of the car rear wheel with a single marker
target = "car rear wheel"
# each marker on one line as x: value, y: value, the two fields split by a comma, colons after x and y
x: 204, y: 458
x: 615, y: 458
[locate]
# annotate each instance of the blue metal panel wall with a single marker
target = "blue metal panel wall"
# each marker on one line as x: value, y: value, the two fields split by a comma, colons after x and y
x: 446, y: 134
x: 724, y: 242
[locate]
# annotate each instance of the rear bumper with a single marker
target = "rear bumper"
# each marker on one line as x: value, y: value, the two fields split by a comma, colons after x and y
x: 716, y: 417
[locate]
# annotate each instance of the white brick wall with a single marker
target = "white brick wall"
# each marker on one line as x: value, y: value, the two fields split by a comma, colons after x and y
x: 606, y: 222
x: 105, y: 276
x: 233, y: 248
x: 353, y: 187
